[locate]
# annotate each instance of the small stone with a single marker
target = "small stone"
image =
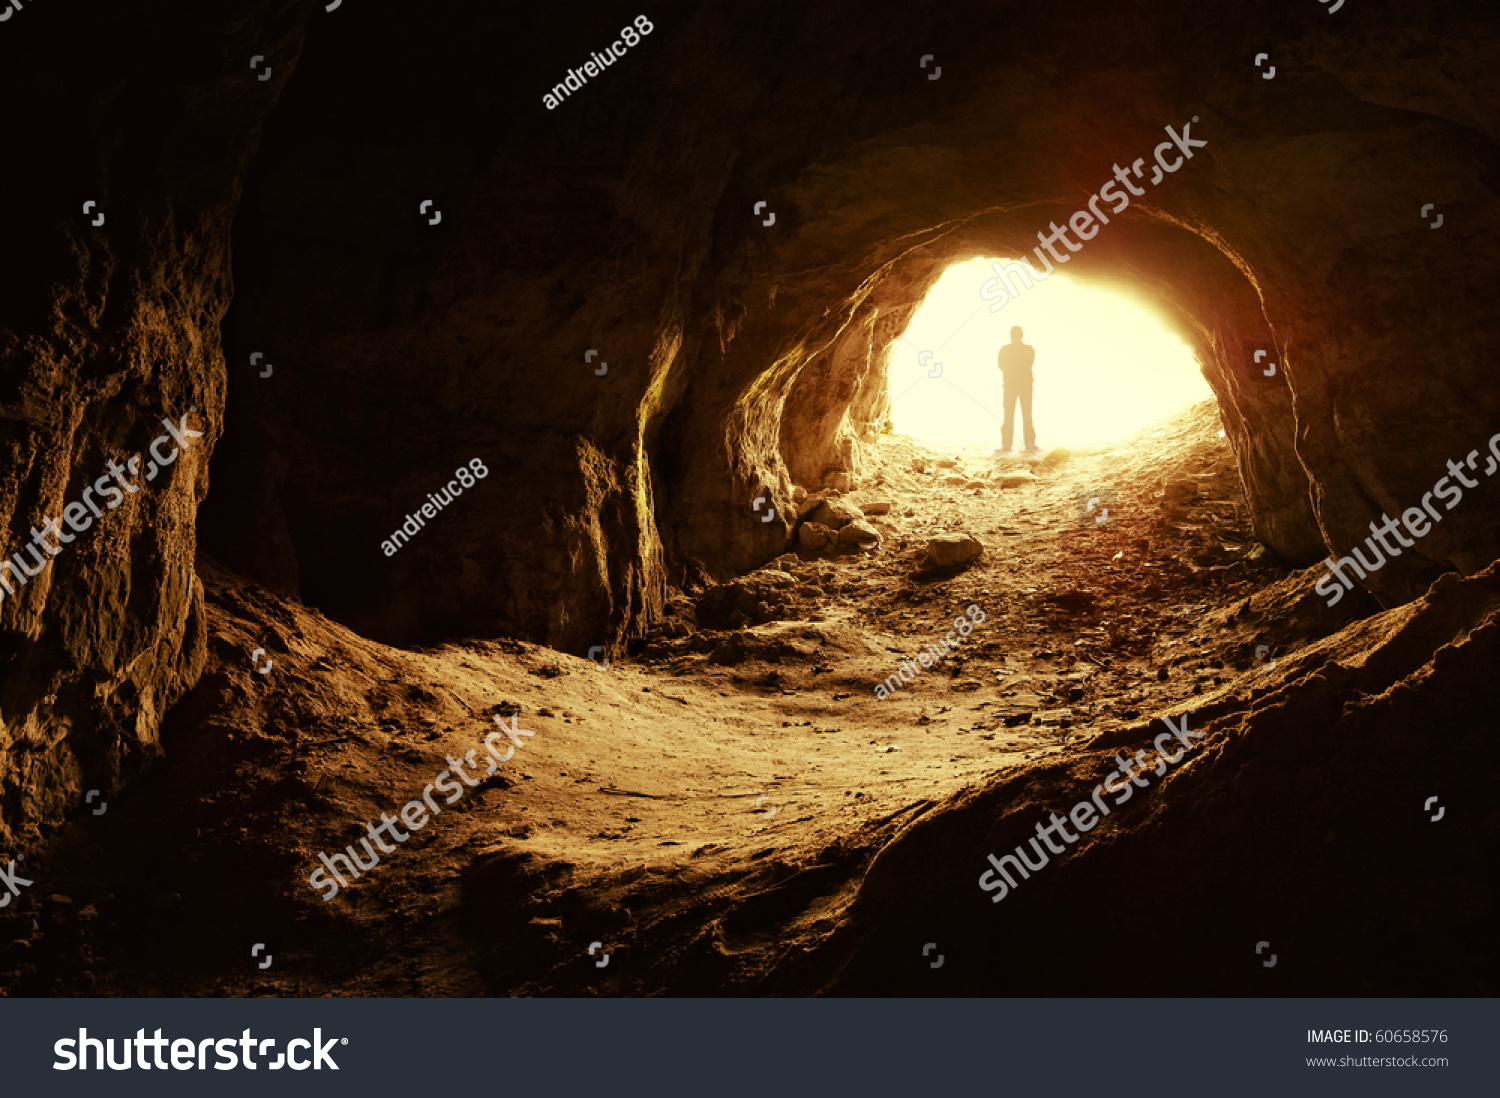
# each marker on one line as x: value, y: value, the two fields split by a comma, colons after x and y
x: 952, y: 550
x: 860, y: 534
x: 1017, y: 480
x: 835, y: 513
x: 876, y: 507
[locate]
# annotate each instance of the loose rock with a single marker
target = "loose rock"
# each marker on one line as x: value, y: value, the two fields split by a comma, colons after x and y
x: 835, y: 514
x: 860, y: 535
x: 814, y: 537
x: 952, y: 550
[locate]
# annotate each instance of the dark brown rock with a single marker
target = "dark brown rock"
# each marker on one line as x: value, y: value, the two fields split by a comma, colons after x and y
x: 952, y: 550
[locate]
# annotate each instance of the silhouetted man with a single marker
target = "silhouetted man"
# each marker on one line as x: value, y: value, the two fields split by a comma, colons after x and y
x: 1015, y: 367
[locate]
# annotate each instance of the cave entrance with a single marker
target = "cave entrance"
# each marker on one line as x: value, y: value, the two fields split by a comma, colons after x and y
x: 1106, y: 365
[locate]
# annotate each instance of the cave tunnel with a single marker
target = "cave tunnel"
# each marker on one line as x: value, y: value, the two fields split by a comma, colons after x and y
x: 578, y: 412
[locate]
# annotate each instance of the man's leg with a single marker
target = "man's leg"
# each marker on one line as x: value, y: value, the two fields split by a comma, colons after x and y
x: 1007, y: 429
x: 1027, y: 426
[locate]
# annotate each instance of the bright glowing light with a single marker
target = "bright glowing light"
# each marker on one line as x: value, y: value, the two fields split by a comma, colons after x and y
x: 1105, y: 366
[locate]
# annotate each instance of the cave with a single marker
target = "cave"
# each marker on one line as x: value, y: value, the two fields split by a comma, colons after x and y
x: 538, y: 568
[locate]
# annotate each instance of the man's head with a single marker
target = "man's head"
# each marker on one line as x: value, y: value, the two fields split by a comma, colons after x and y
x: 1015, y: 335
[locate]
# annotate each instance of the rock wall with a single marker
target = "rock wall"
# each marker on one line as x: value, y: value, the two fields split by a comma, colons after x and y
x: 732, y: 357
x: 109, y: 324
x: 631, y: 221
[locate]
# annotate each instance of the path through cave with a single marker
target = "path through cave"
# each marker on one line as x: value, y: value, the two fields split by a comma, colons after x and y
x: 658, y: 315
x: 720, y: 796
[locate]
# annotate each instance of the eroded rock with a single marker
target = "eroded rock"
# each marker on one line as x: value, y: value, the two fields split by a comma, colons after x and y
x: 814, y: 538
x: 859, y: 535
x: 749, y: 600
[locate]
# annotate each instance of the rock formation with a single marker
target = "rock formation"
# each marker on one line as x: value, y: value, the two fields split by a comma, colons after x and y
x: 604, y: 315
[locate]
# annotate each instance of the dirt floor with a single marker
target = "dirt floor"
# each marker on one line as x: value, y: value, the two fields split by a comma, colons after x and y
x: 697, y: 813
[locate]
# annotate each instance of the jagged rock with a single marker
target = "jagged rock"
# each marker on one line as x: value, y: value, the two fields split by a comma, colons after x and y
x: 749, y: 600
x: 859, y: 535
x: 808, y: 506
x: 814, y: 538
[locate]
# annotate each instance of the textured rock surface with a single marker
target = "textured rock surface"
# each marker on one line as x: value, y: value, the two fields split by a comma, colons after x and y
x: 1332, y: 843
x: 814, y: 538
x: 952, y: 550
x: 1206, y: 828
x: 835, y: 513
x: 747, y: 601
x: 104, y: 330
x: 741, y: 358
x: 860, y: 535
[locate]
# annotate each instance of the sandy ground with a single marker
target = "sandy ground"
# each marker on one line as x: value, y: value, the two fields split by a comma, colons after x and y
x: 702, y: 811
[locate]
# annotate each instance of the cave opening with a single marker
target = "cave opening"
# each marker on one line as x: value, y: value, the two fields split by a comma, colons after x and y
x: 667, y: 320
x: 1107, y: 365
